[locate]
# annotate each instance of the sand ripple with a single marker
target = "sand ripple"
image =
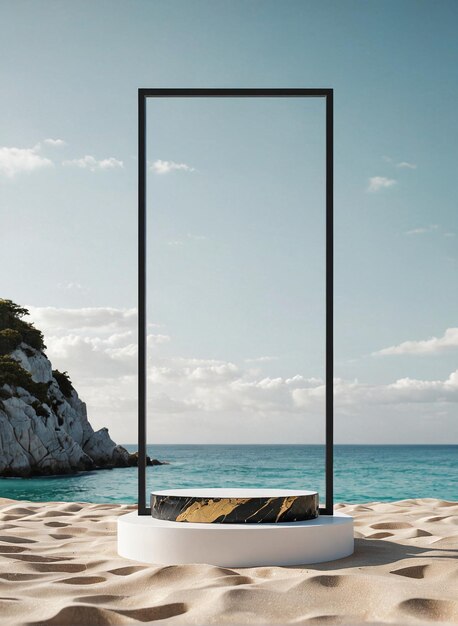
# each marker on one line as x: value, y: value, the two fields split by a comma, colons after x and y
x: 59, y: 567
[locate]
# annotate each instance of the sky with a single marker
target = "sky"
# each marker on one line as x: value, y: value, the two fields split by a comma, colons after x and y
x: 235, y: 213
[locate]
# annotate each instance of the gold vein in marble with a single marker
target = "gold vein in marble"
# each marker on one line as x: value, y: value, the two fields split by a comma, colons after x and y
x: 269, y: 501
x: 285, y: 505
x: 210, y: 510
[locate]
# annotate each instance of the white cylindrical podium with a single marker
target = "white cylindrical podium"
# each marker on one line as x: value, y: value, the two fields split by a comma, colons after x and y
x: 158, y: 541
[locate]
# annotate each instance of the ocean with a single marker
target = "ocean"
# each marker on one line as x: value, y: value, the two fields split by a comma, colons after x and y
x: 362, y: 473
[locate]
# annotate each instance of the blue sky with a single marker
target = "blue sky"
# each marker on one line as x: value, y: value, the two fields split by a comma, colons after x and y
x: 227, y: 362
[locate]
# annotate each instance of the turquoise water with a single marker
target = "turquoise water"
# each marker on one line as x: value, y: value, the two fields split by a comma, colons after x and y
x: 362, y: 473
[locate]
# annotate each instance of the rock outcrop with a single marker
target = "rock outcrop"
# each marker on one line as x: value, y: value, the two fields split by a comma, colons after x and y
x: 44, y: 427
x: 133, y: 460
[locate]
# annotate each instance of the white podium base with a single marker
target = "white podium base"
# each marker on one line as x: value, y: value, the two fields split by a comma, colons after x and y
x: 149, y: 540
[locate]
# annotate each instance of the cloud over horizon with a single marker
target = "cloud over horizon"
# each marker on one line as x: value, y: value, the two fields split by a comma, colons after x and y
x: 98, y: 347
x: 425, y: 346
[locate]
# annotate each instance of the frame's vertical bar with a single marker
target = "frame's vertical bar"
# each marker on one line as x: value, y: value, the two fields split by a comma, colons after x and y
x: 329, y: 509
x: 142, y: 510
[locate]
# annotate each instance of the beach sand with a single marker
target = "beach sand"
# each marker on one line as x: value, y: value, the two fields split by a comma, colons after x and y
x: 59, y: 566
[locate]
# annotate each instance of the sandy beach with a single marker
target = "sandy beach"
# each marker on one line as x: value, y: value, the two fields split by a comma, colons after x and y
x: 58, y: 565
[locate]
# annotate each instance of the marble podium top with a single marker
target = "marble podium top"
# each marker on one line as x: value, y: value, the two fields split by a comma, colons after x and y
x: 234, y: 506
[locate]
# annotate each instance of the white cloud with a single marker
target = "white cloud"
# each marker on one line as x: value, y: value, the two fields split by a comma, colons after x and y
x: 101, y: 319
x: 72, y: 286
x: 423, y: 230
x: 400, y: 164
x: 261, y: 359
x: 379, y: 182
x: 203, y: 400
x: 417, y: 231
x: 157, y: 339
x: 16, y: 160
x: 56, y: 143
x: 218, y: 386
x: 91, y: 163
x: 404, y: 391
x: 164, y: 167
x: 425, y: 346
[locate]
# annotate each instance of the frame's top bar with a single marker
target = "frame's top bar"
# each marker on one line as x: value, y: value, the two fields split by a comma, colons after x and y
x: 217, y: 92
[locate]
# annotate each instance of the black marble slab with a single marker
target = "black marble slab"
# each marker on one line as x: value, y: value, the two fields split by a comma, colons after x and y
x: 221, y: 509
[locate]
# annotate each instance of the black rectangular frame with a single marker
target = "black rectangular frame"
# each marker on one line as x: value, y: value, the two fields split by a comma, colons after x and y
x: 143, y: 95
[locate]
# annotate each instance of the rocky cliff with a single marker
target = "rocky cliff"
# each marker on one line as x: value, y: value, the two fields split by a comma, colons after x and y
x: 44, y: 427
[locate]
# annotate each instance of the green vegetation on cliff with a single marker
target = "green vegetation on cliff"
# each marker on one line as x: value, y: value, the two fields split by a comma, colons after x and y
x: 13, y: 374
x: 64, y: 382
x: 9, y: 340
x: 14, y: 330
